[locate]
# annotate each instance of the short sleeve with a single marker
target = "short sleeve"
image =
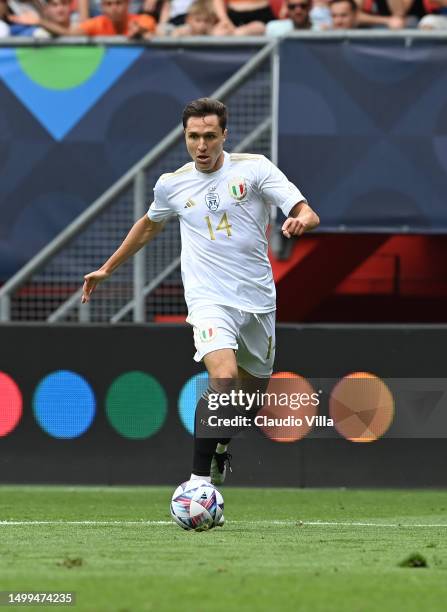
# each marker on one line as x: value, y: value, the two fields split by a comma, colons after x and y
x: 160, y: 209
x: 275, y: 187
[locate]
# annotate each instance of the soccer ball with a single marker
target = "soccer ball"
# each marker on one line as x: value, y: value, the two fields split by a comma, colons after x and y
x: 197, y: 505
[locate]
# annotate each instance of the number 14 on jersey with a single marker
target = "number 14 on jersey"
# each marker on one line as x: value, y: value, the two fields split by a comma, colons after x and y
x: 222, y: 225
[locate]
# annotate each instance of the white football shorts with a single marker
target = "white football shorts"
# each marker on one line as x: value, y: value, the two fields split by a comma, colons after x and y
x: 251, y: 336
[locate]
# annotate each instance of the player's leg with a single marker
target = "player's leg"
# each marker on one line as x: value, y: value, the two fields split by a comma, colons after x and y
x: 222, y: 368
x: 223, y: 372
x: 254, y: 358
x: 215, y: 337
x: 257, y: 340
x: 256, y: 355
x: 221, y: 460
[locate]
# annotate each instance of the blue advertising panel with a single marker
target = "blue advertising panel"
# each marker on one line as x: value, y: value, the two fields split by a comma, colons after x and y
x: 362, y: 131
x: 74, y: 119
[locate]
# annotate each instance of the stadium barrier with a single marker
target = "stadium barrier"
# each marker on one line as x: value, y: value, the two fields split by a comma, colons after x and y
x: 114, y: 405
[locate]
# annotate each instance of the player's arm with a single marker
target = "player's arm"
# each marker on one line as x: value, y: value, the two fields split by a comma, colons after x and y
x: 276, y: 189
x: 142, y: 232
x: 301, y: 219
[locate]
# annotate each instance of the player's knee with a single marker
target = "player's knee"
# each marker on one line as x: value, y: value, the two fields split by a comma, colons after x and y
x: 224, y: 378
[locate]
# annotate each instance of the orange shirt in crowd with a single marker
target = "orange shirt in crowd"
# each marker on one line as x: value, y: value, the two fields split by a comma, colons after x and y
x: 103, y: 26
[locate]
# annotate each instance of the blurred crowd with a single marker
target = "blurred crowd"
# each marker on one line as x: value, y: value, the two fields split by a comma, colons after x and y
x: 179, y: 18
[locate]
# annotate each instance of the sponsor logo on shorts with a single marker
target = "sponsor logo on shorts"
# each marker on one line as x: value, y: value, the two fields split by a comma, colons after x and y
x: 237, y: 188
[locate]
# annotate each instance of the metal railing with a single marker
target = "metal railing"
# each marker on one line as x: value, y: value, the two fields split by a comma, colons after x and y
x: 48, y: 288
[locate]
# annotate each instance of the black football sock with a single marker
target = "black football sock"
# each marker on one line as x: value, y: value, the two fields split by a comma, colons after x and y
x: 206, y: 438
x: 204, y: 447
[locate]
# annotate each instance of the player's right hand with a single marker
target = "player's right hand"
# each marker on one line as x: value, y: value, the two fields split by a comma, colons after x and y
x: 90, y: 282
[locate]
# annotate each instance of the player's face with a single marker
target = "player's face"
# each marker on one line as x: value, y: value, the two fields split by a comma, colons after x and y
x: 204, y: 141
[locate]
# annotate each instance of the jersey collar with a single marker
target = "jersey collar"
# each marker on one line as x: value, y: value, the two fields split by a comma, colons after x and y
x: 217, y: 173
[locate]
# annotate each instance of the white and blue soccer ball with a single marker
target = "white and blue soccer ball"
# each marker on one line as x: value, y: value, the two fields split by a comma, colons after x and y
x: 197, y: 505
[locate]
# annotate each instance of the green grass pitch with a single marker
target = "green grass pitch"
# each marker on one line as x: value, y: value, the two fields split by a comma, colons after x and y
x: 281, y: 549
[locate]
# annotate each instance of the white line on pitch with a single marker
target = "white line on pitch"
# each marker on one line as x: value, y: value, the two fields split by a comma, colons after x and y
x: 99, y: 523
x: 261, y: 522
x: 349, y: 524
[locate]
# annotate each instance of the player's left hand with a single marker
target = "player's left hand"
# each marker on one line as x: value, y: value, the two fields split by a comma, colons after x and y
x: 294, y: 226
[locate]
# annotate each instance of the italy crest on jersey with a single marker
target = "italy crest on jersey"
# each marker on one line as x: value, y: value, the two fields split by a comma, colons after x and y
x: 237, y: 188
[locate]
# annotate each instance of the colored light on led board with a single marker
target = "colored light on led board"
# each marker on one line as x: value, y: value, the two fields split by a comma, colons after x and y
x: 136, y: 405
x: 362, y: 407
x: 64, y: 404
x: 288, y: 385
x: 188, y: 398
x: 11, y: 404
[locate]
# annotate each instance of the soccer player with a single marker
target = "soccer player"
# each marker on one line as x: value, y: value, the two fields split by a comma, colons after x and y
x: 222, y: 201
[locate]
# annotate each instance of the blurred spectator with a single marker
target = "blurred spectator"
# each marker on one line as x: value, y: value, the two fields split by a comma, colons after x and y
x: 253, y: 13
x: 297, y: 18
x: 116, y: 21
x: 435, y: 22
x: 200, y: 21
x: 152, y: 8
x: 363, y: 18
x: 55, y: 19
x: 173, y: 13
x: 344, y: 14
x: 298, y: 12
x: 320, y: 15
x: 25, y: 7
x: 4, y: 26
x: 393, y: 14
x: 56, y: 12
x: 227, y: 28
x: 93, y: 8
x: 29, y: 10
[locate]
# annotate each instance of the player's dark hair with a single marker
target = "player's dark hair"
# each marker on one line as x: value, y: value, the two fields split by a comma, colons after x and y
x: 206, y: 106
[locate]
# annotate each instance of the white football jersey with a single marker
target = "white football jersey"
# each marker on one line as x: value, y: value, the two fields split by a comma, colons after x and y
x: 223, y: 222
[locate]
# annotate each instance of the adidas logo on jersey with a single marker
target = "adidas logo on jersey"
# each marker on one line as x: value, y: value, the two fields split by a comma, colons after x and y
x: 189, y: 203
